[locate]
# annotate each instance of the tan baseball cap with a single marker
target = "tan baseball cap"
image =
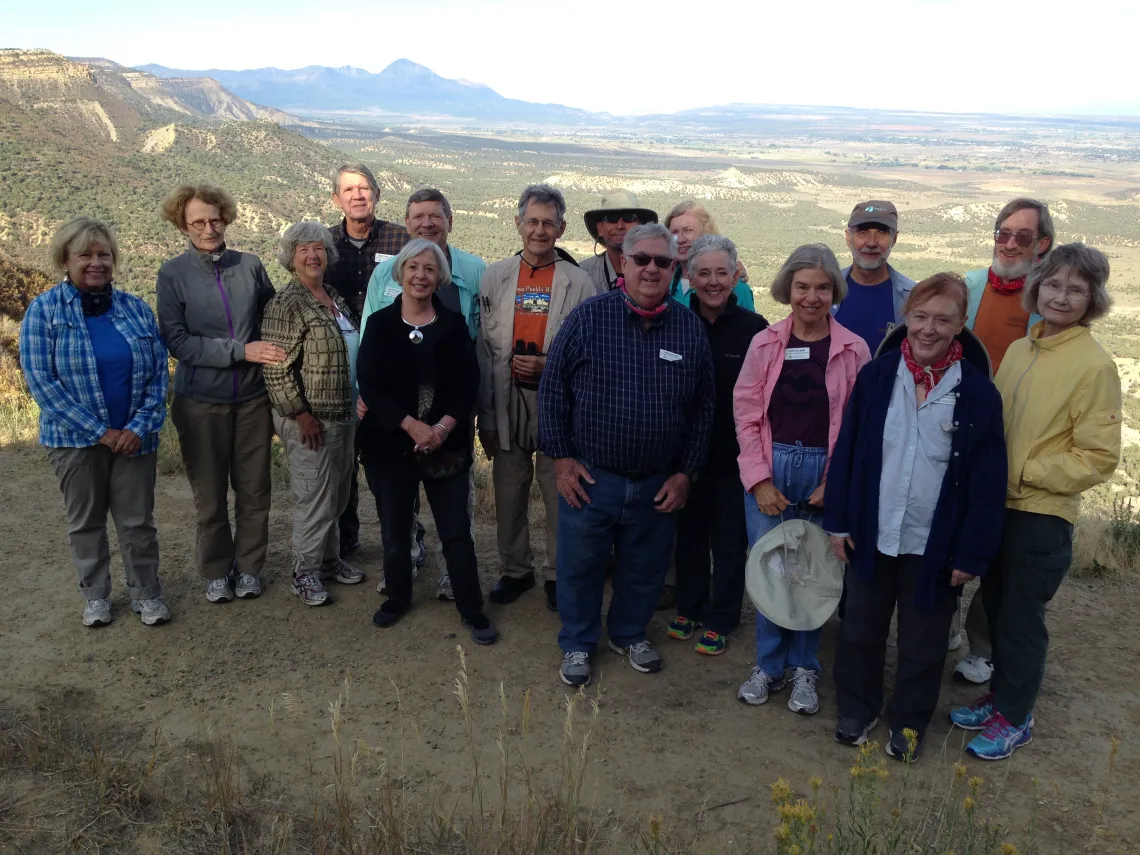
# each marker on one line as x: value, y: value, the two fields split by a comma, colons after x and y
x: 876, y: 211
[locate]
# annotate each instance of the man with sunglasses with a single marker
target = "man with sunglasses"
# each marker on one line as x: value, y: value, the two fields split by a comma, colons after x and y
x: 523, y: 301
x: 607, y: 225
x: 626, y: 407
x: 1023, y: 235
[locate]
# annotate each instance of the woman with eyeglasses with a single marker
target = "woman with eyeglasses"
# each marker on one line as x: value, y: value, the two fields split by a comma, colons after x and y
x: 788, y: 403
x: 913, y: 505
x: 1061, y: 402
x: 419, y: 378
x: 210, y: 301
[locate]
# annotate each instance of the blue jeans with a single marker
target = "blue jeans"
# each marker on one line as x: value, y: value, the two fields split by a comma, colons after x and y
x: 796, y: 472
x: 622, y: 517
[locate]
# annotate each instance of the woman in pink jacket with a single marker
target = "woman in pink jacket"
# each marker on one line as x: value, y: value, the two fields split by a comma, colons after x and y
x: 788, y: 404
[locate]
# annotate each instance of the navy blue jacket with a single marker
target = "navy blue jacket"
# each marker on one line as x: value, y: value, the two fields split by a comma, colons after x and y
x: 966, y: 531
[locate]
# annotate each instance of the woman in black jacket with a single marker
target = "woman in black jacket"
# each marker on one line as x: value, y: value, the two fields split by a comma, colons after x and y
x: 419, y: 378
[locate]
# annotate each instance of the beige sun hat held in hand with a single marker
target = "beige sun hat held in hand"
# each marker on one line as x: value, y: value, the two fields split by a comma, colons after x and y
x: 793, y: 577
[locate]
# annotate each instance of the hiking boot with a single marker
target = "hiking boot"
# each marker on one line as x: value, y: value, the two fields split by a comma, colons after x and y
x: 382, y: 586
x: 804, y: 699
x: 681, y: 628
x: 247, y: 587
x: 974, y: 669
x: 152, y: 612
x: 219, y: 590
x: 344, y: 573
x: 575, y: 669
x: 901, y: 748
x: 509, y: 588
x: 97, y: 612
x: 389, y: 612
x: 482, y: 630
x: 550, y: 586
x: 755, y: 690
x: 712, y: 643
x: 850, y: 730
x: 308, y: 587
x: 975, y: 716
x: 443, y: 589
x: 1000, y: 738
x: 642, y: 656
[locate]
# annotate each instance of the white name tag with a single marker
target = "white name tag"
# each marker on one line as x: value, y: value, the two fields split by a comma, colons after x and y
x: 670, y: 356
x: 380, y: 257
x: 392, y: 291
x: 794, y: 353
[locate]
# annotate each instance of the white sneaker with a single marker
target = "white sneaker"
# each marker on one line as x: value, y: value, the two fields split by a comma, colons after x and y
x: 97, y: 613
x: 219, y: 590
x: 804, y: 699
x: 247, y: 587
x: 974, y: 669
x: 152, y: 612
x: 346, y: 574
x: 382, y: 586
x: 755, y: 689
x: 443, y: 589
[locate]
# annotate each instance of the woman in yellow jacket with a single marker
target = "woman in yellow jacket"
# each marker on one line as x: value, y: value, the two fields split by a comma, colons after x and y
x: 1061, y: 404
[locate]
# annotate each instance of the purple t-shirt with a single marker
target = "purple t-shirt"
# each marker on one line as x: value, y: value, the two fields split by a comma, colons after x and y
x: 799, y: 409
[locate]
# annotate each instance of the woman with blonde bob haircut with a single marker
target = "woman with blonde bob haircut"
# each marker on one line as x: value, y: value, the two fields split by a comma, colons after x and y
x: 914, y: 506
x: 1061, y: 400
x: 788, y: 404
x: 96, y: 366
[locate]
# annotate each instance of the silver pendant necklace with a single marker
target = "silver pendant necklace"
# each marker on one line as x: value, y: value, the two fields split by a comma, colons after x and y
x: 416, y: 336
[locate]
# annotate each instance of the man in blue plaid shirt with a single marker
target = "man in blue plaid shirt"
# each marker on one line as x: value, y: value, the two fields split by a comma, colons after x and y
x: 626, y: 411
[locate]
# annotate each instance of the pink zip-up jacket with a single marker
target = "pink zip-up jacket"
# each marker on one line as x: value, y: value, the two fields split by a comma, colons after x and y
x: 753, y: 392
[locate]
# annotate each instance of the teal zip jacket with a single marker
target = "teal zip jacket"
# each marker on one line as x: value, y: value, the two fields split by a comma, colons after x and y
x: 743, y: 293
x: 461, y: 296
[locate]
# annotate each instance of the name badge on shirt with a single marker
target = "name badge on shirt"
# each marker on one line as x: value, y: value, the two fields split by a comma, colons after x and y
x: 795, y: 353
x: 670, y: 356
x: 392, y: 291
x: 380, y: 256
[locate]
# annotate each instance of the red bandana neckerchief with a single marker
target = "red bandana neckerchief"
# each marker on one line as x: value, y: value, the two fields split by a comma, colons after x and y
x: 1011, y: 287
x: 928, y: 376
x: 636, y: 309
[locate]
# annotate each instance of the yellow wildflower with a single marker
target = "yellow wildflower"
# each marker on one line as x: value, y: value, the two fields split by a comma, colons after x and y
x: 781, y: 791
x: 968, y: 803
x: 784, y: 831
x: 1009, y: 849
x: 975, y: 783
x: 960, y: 771
x: 816, y: 783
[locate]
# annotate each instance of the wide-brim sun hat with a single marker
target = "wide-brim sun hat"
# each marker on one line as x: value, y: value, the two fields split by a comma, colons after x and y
x: 616, y: 201
x: 793, y: 577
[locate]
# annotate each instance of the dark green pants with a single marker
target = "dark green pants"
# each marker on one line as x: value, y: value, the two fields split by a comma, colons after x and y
x: 1036, y: 550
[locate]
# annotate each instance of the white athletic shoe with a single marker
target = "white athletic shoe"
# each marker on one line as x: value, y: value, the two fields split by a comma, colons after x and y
x: 246, y: 587
x: 219, y: 590
x: 152, y: 612
x: 97, y: 613
x: 974, y: 669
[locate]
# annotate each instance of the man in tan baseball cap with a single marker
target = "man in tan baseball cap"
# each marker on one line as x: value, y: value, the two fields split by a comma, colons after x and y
x: 607, y: 225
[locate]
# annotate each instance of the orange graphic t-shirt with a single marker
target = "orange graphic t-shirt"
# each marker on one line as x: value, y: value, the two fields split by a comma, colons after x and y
x: 532, y: 304
x: 1000, y: 322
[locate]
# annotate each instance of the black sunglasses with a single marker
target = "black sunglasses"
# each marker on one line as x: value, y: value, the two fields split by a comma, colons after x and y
x: 642, y: 260
x: 622, y: 217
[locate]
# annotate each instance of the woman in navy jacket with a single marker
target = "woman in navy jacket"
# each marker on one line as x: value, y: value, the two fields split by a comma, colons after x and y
x: 914, y: 503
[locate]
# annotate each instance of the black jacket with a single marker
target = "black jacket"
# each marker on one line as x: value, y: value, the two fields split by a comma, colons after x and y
x: 728, y: 339
x: 391, y: 369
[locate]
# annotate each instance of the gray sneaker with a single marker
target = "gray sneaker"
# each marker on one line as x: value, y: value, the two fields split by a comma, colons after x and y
x: 97, y: 613
x: 755, y: 689
x: 575, y: 669
x: 382, y: 586
x: 246, y: 587
x: 443, y: 589
x: 152, y: 612
x: 642, y: 657
x: 219, y: 590
x: 308, y: 587
x: 804, y: 699
x: 346, y: 574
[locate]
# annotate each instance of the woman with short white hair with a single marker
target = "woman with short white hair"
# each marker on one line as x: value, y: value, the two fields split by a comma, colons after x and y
x: 313, y: 390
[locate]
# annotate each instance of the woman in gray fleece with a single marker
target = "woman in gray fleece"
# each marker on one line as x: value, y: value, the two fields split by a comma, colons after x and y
x: 210, y: 300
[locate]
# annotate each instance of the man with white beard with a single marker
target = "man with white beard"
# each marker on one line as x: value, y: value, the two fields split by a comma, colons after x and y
x: 1023, y: 235
x: 876, y: 292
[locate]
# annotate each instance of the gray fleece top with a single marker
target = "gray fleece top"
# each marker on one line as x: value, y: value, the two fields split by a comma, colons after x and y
x: 209, y: 308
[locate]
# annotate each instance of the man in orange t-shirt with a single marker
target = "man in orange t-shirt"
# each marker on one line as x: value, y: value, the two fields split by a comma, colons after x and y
x: 1023, y: 235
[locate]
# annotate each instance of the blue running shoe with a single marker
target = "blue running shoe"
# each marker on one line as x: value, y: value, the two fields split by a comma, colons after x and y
x: 1000, y: 738
x: 976, y: 715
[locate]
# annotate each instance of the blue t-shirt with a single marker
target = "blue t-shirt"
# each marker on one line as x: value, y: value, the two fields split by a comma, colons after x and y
x: 114, y: 364
x: 867, y: 311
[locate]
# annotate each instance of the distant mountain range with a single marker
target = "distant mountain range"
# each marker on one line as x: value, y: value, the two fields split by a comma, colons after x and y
x: 404, y: 88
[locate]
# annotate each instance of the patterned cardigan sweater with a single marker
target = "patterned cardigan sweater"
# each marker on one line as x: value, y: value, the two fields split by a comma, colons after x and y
x: 314, y: 377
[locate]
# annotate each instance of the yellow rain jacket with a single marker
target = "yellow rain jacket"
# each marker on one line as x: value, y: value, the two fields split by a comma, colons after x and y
x: 1061, y: 404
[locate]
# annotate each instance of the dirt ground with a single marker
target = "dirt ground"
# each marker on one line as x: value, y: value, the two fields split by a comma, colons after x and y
x: 662, y: 744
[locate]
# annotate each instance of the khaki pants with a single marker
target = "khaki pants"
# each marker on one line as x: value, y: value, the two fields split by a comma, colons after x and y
x: 224, y: 445
x: 95, y: 480
x: 321, y: 482
x: 512, y: 473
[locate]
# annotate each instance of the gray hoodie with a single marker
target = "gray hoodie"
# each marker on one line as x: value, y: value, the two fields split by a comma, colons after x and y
x: 209, y: 308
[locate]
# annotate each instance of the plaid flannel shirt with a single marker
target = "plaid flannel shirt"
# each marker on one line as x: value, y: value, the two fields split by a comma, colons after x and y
x: 59, y: 366
x: 353, y: 268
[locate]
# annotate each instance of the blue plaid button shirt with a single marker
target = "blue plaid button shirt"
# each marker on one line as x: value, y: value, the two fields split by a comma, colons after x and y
x: 627, y: 398
x: 59, y: 366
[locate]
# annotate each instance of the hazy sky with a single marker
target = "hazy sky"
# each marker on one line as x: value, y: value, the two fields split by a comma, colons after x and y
x: 1020, y: 56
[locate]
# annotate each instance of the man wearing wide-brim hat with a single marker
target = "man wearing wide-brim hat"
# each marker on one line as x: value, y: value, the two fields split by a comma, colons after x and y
x: 607, y: 225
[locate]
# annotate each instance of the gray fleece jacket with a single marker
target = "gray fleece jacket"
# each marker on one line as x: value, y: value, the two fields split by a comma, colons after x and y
x: 209, y: 308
